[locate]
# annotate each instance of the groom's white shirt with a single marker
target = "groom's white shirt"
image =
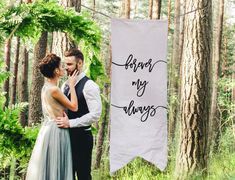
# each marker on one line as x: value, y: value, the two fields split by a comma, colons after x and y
x: 91, y: 94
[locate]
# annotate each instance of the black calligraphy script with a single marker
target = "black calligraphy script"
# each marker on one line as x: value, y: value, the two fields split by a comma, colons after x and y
x: 145, y: 111
x: 132, y: 63
x: 141, y: 86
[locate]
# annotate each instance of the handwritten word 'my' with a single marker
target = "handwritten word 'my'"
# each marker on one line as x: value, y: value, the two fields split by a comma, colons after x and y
x: 140, y: 85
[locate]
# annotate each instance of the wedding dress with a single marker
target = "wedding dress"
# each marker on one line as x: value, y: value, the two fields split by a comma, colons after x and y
x: 51, y: 158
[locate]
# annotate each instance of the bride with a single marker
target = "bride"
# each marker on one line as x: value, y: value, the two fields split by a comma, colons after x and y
x: 51, y: 158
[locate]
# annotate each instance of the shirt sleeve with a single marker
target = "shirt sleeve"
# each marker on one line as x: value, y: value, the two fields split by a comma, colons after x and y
x: 91, y: 93
x: 62, y: 87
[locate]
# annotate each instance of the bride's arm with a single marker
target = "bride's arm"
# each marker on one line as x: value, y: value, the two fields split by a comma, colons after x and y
x: 59, y: 96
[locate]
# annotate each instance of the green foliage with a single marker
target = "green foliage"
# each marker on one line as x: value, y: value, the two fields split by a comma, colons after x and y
x: 3, y: 75
x: 96, y: 68
x: 16, y: 142
x: 222, y: 165
x: 30, y: 20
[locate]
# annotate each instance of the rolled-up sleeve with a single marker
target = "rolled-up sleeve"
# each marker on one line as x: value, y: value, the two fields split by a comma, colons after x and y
x: 91, y: 93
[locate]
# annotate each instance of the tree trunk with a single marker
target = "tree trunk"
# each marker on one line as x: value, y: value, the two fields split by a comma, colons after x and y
x: 24, y: 86
x: 135, y: 8
x: 101, y: 133
x: 14, y: 84
x: 8, y: 64
x: 158, y: 8
x: 195, y: 100
x: 127, y: 8
x: 104, y: 125
x: 94, y: 7
x: 61, y: 41
x: 150, y: 15
x: 233, y: 91
x: 35, y: 107
x: 182, y: 35
x: 214, y: 119
x: 175, y: 63
x: 169, y: 15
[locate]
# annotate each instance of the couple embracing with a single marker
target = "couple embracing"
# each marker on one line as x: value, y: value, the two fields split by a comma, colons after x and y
x: 63, y: 149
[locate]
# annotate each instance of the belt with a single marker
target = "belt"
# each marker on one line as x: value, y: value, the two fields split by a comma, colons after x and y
x: 85, y: 128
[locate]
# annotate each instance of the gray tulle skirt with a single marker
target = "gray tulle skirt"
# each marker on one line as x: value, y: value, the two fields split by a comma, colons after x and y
x: 51, y: 158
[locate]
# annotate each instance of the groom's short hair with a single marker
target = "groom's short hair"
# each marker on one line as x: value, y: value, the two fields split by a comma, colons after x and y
x: 74, y: 52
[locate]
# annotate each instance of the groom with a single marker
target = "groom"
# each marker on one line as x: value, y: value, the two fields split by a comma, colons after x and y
x: 79, y: 122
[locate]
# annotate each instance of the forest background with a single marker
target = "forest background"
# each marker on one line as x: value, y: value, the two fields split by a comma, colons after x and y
x: 201, y: 80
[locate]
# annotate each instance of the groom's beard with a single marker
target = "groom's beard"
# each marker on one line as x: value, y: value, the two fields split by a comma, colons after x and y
x: 71, y: 73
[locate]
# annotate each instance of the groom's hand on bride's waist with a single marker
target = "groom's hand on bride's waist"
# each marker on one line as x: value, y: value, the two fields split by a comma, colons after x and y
x: 63, y: 122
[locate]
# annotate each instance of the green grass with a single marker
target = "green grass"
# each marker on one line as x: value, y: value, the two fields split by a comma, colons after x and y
x: 220, y: 167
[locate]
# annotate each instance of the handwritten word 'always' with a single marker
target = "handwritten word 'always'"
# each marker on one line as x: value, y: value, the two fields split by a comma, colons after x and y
x: 145, y: 111
x: 132, y: 63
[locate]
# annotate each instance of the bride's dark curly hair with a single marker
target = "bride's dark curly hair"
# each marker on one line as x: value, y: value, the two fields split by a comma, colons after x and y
x: 48, y: 65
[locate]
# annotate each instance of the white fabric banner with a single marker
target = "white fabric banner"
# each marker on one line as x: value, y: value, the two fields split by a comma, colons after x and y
x: 138, y: 92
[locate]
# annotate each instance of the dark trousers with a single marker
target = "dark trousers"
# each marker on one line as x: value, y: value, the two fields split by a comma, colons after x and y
x: 81, y: 144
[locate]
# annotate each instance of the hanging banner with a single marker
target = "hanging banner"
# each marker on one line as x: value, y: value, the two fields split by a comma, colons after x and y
x: 138, y: 92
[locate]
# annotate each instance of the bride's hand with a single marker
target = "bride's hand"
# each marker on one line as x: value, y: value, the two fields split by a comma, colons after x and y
x: 72, y: 79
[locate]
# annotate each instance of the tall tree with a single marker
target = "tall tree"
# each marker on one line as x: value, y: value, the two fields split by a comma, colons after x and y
x: 15, y: 77
x: 23, y: 96
x: 168, y: 15
x: 214, y: 119
x: 8, y: 64
x: 195, y: 100
x: 181, y: 34
x: 136, y: 7
x: 94, y: 8
x: 35, y: 107
x: 127, y: 8
x: 150, y: 14
x: 61, y: 41
x: 23, y: 90
x: 158, y: 8
x: 175, y: 63
x: 105, y: 121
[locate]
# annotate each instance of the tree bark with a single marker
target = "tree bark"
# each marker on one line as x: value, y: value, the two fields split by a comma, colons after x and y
x: 135, y: 7
x: 182, y: 35
x: 8, y: 64
x: 158, y: 8
x: 24, y: 86
x: 14, y: 83
x: 169, y: 15
x: 195, y: 100
x: 35, y: 107
x: 175, y: 63
x: 214, y: 119
x: 104, y: 125
x: 61, y: 41
x: 101, y: 133
x: 150, y: 14
x: 94, y: 7
x: 233, y: 91
x: 127, y: 8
